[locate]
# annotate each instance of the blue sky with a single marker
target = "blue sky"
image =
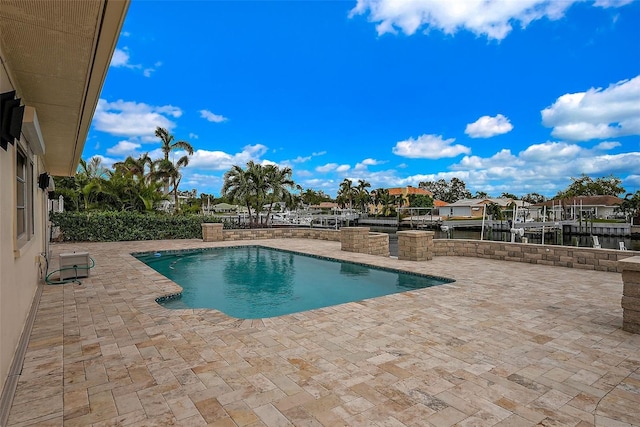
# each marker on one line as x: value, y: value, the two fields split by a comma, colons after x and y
x: 509, y: 96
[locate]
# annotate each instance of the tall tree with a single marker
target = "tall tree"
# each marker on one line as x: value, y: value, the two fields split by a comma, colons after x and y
x: 89, y: 178
x: 136, y: 168
x: 420, y: 201
x: 449, y: 192
x: 362, y: 196
x: 257, y: 186
x: 238, y: 187
x: 494, y: 211
x: 387, y: 202
x: 506, y: 195
x: 346, y: 193
x: 169, y: 144
x: 313, y: 197
x: 586, y: 186
x: 534, y: 198
x: 169, y: 173
x: 280, y: 185
x: 630, y: 206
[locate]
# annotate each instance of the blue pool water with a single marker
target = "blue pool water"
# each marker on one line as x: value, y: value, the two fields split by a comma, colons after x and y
x: 252, y: 282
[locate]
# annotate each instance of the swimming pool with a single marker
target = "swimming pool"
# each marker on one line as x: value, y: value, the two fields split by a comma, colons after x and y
x: 252, y: 282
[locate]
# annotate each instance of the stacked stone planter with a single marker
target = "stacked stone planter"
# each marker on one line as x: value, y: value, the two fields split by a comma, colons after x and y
x: 631, y: 294
x: 211, y: 232
x: 415, y: 245
x: 354, y: 239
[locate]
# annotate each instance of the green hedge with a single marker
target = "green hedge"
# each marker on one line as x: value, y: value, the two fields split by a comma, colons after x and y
x: 110, y: 226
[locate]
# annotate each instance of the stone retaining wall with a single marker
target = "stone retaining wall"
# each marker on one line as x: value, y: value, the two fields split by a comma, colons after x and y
x: 631, y: 294
x: 282, y: 233
x: 353, y: 239
x: 562, y: 256
x: 379, y: 244
x: 213, y: 232
x: 360, y: 240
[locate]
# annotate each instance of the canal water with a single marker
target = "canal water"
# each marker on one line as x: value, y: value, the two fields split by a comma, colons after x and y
x: 606, y: 242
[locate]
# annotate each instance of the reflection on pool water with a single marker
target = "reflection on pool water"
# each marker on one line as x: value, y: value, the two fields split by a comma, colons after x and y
x: 252, y: 282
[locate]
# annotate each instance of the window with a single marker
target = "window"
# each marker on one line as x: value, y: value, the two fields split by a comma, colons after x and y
x: 25, y: 215
x: 21, y: 195
x: 30, y: 198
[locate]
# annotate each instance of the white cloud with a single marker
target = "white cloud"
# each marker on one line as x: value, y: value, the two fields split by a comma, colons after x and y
x: 209, y: 116
x: 123, y: 148
x: 490, y: 18
x: 429, y: 147
x: 540, y: 167
x: 558, y: 151
x: 332, y: 167
x: 607, y: 145
x: 486, y: 127
x: 133, y: 119
x: 301, y: 159
x: 612, y: 3
x: 597, y: 113
x: 501, y: 158
x: 219, y: 160
x: 302, y: 172
x: 206, y: 182
x: 367, y: 162
x: 120, y: 58
x: 632, y: 181
x: 327, y: 168
x: 193, y: 136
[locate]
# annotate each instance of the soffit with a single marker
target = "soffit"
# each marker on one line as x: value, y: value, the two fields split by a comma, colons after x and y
x: 57, y: 53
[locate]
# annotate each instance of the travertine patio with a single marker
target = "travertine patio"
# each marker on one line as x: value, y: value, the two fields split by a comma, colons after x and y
x: 506, y: 344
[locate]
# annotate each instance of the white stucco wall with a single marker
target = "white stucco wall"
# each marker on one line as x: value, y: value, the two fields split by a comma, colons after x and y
x: 19, y: 270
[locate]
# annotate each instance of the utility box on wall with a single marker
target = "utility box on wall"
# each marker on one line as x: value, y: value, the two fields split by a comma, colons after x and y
x: 74, y: 265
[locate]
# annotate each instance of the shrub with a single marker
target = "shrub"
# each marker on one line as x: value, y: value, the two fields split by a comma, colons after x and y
x: 113, y: 226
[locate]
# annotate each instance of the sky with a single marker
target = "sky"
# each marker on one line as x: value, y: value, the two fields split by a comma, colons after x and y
x: 508, y: 96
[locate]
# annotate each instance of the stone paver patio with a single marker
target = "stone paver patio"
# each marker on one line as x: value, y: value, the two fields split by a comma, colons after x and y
x: 507, y: 344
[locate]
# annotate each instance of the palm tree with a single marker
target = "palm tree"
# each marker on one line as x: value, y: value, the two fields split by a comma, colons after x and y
x: 169, y: 145
x: 386, y: 200
x: 346, y: 192
x: 376, y: 198
x: 93, y: 169
x: 170, y: 175
x: 363, y: 198
x: 141, y: 189
x: 89, y: 179
x: 260, y: 187
x: 279, y: 181
x: 136, y: 168
x: 238, y: 187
